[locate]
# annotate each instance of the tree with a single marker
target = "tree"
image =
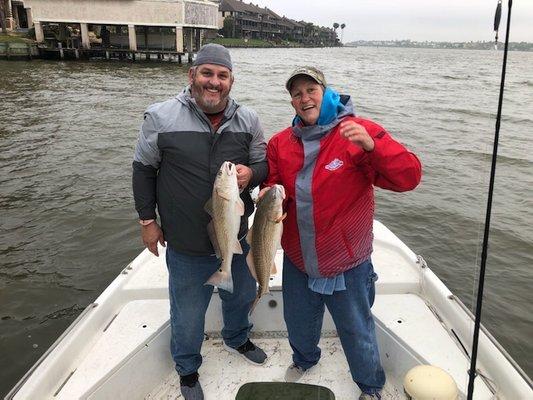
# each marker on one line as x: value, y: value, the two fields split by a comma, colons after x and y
x: 342, y: 31
x: 309, y: 32
x: 229, y: 27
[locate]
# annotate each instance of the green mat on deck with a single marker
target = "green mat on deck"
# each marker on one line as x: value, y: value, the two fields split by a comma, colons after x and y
x: 283, y: 391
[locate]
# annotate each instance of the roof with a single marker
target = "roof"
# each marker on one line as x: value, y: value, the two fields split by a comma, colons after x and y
x: 272, y: 13
x: 240, y: 6
x: 290, y: 22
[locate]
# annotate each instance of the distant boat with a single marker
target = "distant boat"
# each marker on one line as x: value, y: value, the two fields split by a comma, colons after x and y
x: 118, y: 348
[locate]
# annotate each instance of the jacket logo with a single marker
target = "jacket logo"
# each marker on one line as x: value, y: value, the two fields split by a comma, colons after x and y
x: 335, y: 164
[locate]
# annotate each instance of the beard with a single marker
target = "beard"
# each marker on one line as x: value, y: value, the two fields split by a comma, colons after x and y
x: 209, y: 105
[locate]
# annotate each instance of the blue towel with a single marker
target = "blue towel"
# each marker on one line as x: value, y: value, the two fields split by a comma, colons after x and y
x: 327, y: 285
x: 330, y: 108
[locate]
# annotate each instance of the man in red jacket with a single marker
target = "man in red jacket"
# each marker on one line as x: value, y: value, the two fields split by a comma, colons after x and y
x: 329, y: 161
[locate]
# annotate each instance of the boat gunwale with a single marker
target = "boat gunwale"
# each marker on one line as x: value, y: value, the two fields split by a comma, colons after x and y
x: 13, y: 392
x: 494, y: 341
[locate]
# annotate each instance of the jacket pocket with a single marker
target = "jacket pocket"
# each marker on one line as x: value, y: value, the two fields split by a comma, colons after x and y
x: 347, y: 244
x: 371, y: 284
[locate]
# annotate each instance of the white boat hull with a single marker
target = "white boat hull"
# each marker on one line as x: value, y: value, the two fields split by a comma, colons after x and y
x: 119, y: 347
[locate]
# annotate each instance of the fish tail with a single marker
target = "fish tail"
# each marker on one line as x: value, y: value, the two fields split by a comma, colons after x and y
x: 255, y: 303
x: 221, y: 280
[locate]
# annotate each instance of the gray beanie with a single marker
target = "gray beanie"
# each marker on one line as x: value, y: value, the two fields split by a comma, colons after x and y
x: 213, y: 54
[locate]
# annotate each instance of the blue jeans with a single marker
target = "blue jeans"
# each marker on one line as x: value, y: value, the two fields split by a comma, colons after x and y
x: 189, y: 298
x: 303, y: 310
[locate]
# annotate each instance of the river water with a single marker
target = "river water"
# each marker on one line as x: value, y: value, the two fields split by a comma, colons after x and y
x: 68, y: 131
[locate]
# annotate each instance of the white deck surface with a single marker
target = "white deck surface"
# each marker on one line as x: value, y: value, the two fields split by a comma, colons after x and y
x: 223, y: 373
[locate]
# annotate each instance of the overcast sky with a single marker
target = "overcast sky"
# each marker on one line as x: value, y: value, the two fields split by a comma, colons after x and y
x: 434, y: 20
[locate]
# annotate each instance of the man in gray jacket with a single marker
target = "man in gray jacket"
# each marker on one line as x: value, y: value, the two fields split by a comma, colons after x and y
x: 182, y: 144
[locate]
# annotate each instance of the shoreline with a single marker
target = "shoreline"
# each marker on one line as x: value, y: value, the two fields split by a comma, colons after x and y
x: 262, y: 44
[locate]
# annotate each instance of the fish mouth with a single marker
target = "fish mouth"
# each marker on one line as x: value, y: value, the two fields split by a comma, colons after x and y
x: 229, y: 167
x: 281, y: 191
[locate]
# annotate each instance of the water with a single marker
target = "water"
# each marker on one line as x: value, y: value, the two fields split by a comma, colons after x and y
x: 68, y: 131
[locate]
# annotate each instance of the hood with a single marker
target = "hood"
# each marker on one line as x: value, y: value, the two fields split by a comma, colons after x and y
x: 336, y: 105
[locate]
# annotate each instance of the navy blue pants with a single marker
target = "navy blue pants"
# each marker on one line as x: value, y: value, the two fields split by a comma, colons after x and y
x: 189, y: 298
x: 303, y: 310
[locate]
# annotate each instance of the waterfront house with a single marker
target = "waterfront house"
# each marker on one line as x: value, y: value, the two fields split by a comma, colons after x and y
x: 238, y: 19
x: 133, y: 25
x: 250, y: 21
x: 15, y: 15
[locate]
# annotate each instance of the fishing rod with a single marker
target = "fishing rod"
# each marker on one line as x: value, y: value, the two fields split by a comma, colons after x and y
x: 479, y: 300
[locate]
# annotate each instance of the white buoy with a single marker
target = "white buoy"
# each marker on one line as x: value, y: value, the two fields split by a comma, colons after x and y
x: 426, y: 382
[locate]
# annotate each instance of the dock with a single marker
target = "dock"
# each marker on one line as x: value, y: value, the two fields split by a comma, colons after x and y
x: 60, y: 53
x: 16, y: 51
x: 165, y: 30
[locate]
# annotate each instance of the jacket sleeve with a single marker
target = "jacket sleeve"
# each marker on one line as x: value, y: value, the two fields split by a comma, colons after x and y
x: 394, y: 167
x: 145, y: 167
x: 258, y: 163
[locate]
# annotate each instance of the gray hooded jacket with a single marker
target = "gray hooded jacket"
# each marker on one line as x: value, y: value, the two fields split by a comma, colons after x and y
x: 176, y: 161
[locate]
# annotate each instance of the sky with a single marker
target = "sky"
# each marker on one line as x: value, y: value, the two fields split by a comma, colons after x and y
x: 432, y: 20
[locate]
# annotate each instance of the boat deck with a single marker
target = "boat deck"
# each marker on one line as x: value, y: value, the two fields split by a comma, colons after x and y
x: 223, y: 373
x: 119, y: 347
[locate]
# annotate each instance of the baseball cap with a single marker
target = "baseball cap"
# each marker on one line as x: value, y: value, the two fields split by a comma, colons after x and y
x: 311, y: 72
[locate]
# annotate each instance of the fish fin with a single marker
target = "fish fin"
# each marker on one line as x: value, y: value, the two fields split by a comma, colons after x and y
x: 223, y: 194
x: 249, y: 236
x: 237, y: 248
x: 251, y: 265
x: 254, y: 303
x: 281, y: 218
x: 221, y: 280
x: 273, y: 269
x: 209, y: 206
x: 213, y: 238
x: 239, y: 207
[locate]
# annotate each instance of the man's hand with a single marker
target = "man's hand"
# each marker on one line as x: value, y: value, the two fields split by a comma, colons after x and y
x: 151, y: 234
x: 357, y: 134
x: 244, y: 175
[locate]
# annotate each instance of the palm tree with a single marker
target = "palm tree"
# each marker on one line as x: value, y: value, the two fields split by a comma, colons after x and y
x: 335, y: 27
x: 342, y: 31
